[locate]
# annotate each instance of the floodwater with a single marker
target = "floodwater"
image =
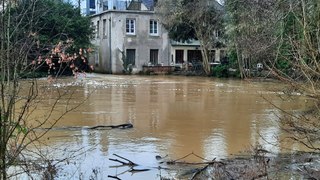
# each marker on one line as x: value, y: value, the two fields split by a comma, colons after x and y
x: 172, y: 117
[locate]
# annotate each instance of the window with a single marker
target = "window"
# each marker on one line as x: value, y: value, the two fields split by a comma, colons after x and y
x: 96, y: 58
x: 98, y: 29
x: 194, y: 56
x: 179, y: 56
x: 104, y: 28
x: 153, y: 27
x: 212, y: 55
x: 104, y: 5
x: 216, y: 33
x: 131, y: 56
x: 93, y: 27
x: 92, y: 4
x: 130, y: 26
x: 154, y: 56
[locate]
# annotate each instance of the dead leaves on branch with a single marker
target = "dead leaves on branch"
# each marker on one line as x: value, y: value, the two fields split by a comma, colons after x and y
x: 58, y: 61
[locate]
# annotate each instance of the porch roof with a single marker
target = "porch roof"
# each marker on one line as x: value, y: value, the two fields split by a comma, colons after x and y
x: 186, y: 43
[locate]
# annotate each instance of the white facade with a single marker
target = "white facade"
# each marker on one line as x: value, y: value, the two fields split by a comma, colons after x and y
x: 128, y: 37
x: 135, y: 38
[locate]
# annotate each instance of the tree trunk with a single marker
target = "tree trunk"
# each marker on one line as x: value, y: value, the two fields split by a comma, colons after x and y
x: 3, y: 172
x: 240, y: 63
x: 205, y: 60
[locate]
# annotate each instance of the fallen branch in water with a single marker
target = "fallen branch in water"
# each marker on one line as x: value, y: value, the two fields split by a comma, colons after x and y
x: 191, y: 163
x: 114, y: 177
x: 205, y: 162
x: 199, y: 171
x: 138, y: 170
x: 98, y: 127
x: 122, y: 162
x: 129, y: 163
x: 177, y: 161
x: 121, y: 126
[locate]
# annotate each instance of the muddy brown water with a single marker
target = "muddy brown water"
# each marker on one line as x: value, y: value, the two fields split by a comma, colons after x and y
x: 172, y: 116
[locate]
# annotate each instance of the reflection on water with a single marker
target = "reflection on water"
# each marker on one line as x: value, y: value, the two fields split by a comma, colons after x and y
x: 172, y: 116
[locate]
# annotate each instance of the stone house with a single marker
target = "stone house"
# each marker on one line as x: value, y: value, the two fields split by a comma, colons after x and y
x: 133, y: 37
x: 128, y: 38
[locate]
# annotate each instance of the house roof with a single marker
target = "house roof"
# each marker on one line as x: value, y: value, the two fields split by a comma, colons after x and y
x: 134, y: 5
x: 148, y: 3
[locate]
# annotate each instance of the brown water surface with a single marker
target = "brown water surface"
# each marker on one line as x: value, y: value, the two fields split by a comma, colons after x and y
x: 171, y: 116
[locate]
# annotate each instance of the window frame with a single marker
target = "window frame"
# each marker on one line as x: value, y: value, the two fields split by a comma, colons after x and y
x: 131, y: 26
x: 97, y: 58
x: 93, y: 27
x: 153, y: 27
x: 98, y: 29
x: 104, y: 28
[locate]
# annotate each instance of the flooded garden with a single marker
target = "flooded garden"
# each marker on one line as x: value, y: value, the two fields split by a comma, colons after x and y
x: 177, y: 123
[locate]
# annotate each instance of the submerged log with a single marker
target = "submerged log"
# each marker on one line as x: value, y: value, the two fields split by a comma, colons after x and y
x: 98, y: 127
x: 121, y: 126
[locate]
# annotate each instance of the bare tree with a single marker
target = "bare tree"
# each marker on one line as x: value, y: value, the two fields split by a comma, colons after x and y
x: 299, y: 47
x: 251, y: 31
x: 207, y: 23
x: 20, y: 98
x: 194, y: 20
x: 285, y: 36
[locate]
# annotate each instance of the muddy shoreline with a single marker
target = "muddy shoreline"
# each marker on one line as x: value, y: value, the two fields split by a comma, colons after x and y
x: 261, y: 165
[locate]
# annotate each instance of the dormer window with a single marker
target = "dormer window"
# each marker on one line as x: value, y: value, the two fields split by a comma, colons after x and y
x: 131, y: 26
x: 153, y: 28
